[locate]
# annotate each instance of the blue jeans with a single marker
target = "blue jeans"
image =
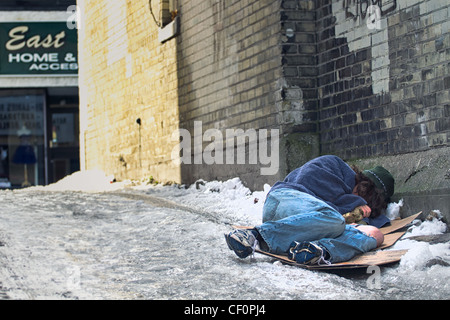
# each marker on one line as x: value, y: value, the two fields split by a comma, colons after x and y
x: 290, y: 215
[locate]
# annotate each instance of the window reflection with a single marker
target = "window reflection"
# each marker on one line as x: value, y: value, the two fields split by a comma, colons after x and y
x: 21, y: 139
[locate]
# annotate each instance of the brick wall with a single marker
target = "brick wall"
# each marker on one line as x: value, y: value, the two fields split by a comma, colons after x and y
x: 126, y: 74
x: 383, y: 89
x: 313, y: 69
x: 222, y: 70
x: 299, y: 57
x: 229, y: 67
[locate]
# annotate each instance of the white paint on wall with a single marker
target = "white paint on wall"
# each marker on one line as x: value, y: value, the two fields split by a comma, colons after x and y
x: 362, y: 34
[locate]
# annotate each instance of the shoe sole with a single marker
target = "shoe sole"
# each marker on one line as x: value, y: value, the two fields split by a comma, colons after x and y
x: 240, y: 253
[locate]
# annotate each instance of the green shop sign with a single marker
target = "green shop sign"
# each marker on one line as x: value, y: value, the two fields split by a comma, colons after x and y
x: 38, y: 48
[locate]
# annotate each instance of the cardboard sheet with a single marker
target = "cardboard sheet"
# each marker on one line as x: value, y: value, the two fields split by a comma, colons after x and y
x: 373, y: 258
x: 390, y: 239
x: 398, y: 224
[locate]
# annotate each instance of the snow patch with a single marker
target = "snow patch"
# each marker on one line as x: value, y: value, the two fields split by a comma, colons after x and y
x: 84, y: 181
x: 393, y: 210
x: 427, y: 228
x: 421, y: 253
x: 228, y: 201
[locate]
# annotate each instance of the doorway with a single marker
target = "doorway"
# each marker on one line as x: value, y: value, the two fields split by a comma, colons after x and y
x: 63, y: 148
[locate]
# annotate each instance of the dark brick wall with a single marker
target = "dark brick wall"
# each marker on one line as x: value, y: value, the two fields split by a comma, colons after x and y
x: 299, y: 59
x: 383, y: 90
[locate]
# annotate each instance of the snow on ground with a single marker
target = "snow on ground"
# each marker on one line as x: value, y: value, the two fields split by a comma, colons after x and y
x: 230, y: 200
x: 108, y: 237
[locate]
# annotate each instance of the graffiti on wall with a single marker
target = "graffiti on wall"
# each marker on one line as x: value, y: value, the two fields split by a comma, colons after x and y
x: 360, y: 8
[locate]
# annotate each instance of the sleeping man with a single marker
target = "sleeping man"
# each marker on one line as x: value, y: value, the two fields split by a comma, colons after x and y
x: 304, y: 216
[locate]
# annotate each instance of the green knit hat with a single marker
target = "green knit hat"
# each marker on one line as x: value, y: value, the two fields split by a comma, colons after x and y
x: 382, y: 179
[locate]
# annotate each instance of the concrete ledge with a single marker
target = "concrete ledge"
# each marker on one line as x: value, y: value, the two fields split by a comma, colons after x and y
x: 169, y: 31
x: 422, y: 179
x: 426, y: 201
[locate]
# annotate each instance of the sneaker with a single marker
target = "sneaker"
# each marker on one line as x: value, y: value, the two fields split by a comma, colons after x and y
x: 306, y: 253
x: 242, y: 242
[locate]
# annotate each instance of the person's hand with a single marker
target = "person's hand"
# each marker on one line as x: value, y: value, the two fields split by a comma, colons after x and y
x: 366, y: 211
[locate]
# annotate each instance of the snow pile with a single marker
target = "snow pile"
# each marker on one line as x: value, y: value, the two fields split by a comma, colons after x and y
x: 228, y: 201
x: 393, y: 210
x: 421, y: 253
x: 85, y: 181
x: 427, y: 228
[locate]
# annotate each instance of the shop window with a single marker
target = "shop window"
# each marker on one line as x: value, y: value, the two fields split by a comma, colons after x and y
x: 22, y: 132
x: 63, y: 130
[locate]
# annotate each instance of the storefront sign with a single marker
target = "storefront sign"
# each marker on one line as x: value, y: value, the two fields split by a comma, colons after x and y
x: 38, y: 48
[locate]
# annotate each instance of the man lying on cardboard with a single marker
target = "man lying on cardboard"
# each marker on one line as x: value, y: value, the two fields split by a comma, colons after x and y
x: 311, y: 215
